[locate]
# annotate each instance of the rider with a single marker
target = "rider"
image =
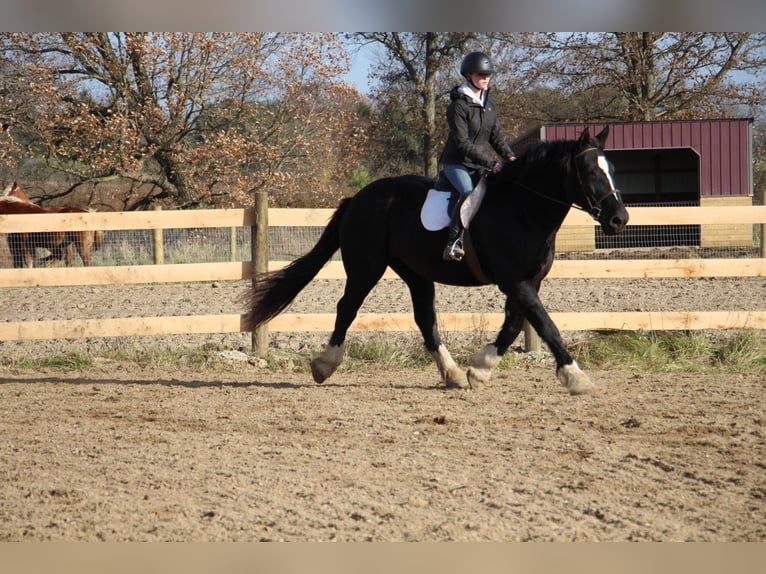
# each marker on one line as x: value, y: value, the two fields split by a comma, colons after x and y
x: 473, y: 129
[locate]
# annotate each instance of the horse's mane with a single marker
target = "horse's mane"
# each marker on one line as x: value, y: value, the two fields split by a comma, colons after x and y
x: 538, y: 160
x: 547, y: 154
x: 12, y: 199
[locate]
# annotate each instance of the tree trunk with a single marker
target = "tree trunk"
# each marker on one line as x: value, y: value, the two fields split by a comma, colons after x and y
x: 429, y: 144
x: 173, y: 180
x: 429, y: 110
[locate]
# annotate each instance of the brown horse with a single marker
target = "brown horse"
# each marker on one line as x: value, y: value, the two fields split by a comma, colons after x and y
x: 61, y: 244
x: 13, y: 190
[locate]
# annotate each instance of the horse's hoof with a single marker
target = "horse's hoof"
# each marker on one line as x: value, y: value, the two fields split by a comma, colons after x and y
x: 482, y: 364
x: 583, y: 386
x: 319, y: 371
x: 456, y: 379
x: 478, y: 378
x: 322, y: 369
x: 324, y: 364
x: 575, y: 381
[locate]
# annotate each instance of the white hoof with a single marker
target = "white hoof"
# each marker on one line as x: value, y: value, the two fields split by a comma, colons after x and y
x: 456, y: 379
x: 482, y: 364
x: 452, y: 375
x: 575, y: 381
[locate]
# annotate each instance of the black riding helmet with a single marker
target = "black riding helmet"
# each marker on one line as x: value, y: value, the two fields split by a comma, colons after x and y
x: 476, y: 62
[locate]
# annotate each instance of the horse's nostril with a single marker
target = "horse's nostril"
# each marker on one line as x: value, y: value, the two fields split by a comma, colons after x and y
x: 618, y: 222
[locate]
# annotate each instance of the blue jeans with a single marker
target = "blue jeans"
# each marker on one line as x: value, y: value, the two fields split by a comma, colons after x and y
x: 460, y: 177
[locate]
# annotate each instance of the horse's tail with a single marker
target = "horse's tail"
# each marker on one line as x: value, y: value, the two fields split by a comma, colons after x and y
x: 272, y: 292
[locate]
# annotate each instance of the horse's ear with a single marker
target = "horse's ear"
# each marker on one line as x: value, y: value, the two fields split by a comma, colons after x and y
x: 584, y: 138
x: 601, y: 137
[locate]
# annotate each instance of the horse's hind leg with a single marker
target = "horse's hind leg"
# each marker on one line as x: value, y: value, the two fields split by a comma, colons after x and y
x: 483, y: 362
x: 69, y: 255
x: 358, y: 286
x: 422, y: 294
x: 83, y: 241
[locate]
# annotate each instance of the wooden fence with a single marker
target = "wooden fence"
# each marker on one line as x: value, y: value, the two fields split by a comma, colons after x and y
x: 260, y: 218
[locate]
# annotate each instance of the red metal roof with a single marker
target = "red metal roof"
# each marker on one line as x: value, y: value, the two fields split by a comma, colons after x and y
x: 724, y: 146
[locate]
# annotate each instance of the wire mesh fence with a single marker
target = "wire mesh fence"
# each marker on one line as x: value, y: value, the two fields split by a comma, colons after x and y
x: 214, y: 245
x: 709, y: 241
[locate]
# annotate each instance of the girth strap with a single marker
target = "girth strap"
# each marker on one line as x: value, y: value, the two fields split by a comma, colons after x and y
x: 473, y: 261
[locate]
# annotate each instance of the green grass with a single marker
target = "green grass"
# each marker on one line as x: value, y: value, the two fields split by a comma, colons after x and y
x: 66, y: 362
x: 381, y: 352
x: 674, y: 352
x: 193, y: 358
x: 652, y: 352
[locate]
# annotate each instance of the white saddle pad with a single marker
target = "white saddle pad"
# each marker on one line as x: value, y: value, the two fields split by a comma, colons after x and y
x: 434, y: 214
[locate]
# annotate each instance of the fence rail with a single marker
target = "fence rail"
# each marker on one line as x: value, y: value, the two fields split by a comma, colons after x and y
x: 260, y: 218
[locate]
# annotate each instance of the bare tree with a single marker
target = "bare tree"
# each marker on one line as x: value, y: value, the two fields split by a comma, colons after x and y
x: 415, y: 62
x: 653, y: 75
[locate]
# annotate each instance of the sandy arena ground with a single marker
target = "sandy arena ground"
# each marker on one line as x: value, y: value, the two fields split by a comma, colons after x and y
x: 239, y: 452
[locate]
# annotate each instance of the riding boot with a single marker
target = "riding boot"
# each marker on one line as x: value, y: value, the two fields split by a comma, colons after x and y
x: 454, y: 248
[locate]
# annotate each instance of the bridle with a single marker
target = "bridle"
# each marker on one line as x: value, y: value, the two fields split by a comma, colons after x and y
x: 594, y: 208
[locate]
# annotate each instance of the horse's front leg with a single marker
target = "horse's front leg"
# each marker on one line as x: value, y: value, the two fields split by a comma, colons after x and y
x: 524, y: 296
x: 69, y: 255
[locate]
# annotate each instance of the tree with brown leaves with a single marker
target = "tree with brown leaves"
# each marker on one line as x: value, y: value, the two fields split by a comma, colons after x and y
x: 191, y: 119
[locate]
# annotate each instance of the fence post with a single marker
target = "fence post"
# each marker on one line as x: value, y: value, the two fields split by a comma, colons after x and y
x: 531, y: 338
x: 159, y: 250
x: 259, y: 245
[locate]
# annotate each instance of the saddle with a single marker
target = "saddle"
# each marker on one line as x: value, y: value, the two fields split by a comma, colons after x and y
x: 434, y: 215
x: 442, y: 197
x: 442, y: 183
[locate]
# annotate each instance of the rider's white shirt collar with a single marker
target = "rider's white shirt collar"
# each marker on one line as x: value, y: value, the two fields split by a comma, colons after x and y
x: 467, y: 89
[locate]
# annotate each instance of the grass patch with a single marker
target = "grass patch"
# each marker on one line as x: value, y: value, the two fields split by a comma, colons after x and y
x: 66, y: 362
x: 745, y: 352
x: 164, y: 357
x: 382, y: 351
x: 674, y: 352
x: 640, y: 351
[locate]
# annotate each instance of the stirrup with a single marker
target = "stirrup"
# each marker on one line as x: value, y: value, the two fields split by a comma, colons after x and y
x: 453, y: 251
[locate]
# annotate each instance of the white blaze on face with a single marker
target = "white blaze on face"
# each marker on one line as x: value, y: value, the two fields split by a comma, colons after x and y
x: 604, y: 165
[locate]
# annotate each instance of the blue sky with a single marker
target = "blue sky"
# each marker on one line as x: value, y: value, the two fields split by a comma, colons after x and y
x: 361, y: 60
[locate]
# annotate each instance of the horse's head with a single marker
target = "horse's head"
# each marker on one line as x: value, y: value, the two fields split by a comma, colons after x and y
x: 595, y: 177
x: 14, y: 191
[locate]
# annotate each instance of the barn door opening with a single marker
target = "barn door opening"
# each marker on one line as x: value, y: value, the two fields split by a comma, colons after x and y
x: 655, y: 177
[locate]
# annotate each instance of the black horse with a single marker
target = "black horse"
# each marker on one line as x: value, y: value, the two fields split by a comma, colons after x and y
x: 510, y: 243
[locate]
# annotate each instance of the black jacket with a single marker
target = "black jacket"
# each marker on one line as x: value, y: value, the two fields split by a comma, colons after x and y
x: 473, y: 131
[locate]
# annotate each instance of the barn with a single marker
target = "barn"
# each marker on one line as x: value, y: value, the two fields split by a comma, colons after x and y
x: 676, y: 162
